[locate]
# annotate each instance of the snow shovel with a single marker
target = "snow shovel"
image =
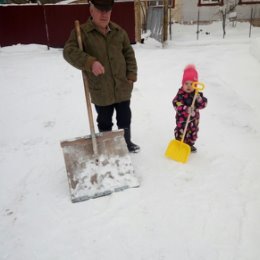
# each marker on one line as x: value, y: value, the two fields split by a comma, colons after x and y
x: 178, y: 150
x: 97, y: 164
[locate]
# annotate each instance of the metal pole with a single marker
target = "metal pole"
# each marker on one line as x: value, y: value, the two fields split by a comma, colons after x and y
x: 224, y: 16
x: 46, y: 27
x: 251, y: 20
x: 198, y: 24
x: 170, y: 29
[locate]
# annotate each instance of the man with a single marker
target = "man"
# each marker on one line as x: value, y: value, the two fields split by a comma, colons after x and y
x: 109, y: 62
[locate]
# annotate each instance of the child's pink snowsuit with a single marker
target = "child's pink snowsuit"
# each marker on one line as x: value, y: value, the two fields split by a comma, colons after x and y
x: 181, y: 103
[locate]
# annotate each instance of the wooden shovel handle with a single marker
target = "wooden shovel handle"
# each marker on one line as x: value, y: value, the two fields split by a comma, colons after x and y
x: 87, y: 93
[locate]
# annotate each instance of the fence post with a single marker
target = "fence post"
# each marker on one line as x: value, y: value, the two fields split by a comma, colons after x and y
x: 137, y: 5
x: 165, y: 21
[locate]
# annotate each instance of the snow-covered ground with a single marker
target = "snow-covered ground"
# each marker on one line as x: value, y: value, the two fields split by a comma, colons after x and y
x: 207, y: 209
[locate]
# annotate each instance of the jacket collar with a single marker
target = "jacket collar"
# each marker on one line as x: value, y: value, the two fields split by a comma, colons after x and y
x: 90, y: 26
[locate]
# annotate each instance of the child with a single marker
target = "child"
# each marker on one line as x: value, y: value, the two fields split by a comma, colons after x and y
x: 182, y: 104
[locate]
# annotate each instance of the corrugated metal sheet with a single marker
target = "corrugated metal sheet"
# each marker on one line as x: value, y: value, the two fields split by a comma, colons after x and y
x: 51, y: 24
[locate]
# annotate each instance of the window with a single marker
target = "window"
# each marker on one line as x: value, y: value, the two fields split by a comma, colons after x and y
x: 210, y: 2
x: 171, y: 3
x: 241, y: 2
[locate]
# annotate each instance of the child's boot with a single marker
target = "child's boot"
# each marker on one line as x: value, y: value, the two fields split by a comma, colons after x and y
x: 193, y: 149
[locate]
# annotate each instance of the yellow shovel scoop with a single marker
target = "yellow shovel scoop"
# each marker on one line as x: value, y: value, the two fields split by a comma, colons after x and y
x: 178, y: 150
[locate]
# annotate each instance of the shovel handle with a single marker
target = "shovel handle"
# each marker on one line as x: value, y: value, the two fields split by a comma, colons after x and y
x: 87, y: 93
x: 198, y: 86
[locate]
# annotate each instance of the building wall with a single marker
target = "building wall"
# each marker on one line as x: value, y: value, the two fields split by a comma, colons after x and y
x: 187, y: 11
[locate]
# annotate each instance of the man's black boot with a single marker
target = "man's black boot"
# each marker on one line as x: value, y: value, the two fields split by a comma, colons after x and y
x: 132, y: 148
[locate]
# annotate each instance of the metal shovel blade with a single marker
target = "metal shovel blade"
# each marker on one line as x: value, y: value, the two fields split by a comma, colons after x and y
x: 92, y: 176
x: 178, y: 151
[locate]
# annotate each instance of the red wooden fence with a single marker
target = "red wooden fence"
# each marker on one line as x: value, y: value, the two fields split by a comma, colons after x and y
x: 51, y: 24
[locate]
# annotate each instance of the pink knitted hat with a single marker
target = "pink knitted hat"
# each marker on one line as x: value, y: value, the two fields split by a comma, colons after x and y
x: 190, y: 73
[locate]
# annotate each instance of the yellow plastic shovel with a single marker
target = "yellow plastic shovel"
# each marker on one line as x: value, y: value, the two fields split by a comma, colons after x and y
x: 178, y: 150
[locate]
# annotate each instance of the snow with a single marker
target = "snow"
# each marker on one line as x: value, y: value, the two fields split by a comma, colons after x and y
x: 205, y: 209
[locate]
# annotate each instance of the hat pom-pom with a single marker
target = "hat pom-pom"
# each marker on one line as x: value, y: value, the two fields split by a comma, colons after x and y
x: 190, y: 66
